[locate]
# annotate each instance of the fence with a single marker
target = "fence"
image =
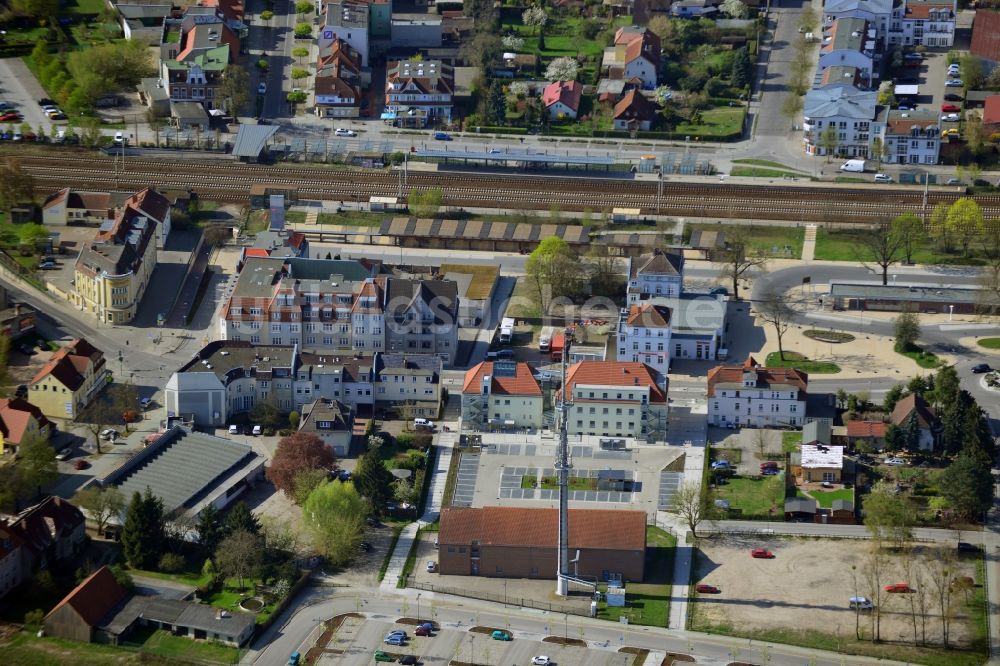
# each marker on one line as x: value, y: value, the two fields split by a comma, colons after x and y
x: 501, y: 598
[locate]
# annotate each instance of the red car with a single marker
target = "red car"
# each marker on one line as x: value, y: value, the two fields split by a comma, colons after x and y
x: 80, y: 463
x: 761, y: 554
x: 10, y: 115
x: 901, y: 588
x: 707, y: 589
x: 950, y: 107
x: 421, y: 631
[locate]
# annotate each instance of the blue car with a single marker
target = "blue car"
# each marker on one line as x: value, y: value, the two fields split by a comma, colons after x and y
x: 395, y: 640
x: 442, y: 136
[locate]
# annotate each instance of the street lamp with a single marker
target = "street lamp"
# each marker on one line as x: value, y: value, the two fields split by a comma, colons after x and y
x: 418, y: 606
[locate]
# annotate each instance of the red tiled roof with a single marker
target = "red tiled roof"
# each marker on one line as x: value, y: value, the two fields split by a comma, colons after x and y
x: 150, y: 202
x: 616, y: 373
x: 986, y: 35
x: 634, y: 106
x: 874, y: 429
x: 567, y: 92
x: 646, y: 45
x: 522, y: 383
x: 515, y: 526
x: 925, y: 415
x: 920, y: 10
x: 68, y: 364
x: 649, y: 316
x: 256, y: 252
x: 95, y: 597
x: 733, y: 374
x: 15, y: 415
x: 991, y: 110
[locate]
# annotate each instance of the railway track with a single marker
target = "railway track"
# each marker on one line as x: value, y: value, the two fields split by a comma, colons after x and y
x: 231, y: 181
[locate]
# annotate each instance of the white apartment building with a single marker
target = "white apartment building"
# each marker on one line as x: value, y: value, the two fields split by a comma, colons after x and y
x: 617, y: 399
x: 348, y: 22
x: 657, y: 274
x: 752, y: 395
x: 878, y: 14
x: 644, y: 336
x: 850, y: 42
x: 927, y: 22
x: 501, y: 395
x: 911, y: 137
x: 849, y: 110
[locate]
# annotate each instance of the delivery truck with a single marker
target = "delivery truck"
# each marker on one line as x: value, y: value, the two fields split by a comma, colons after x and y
x: 853, y: 166
x: 545, y: 339
x: 506, y: 330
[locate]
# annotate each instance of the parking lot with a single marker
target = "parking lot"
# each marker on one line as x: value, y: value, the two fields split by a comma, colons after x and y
x: 20, y: 89
x: 807, y: 586
x: 357, y: 640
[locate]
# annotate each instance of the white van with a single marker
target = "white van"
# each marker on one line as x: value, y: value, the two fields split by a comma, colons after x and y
x: 422, y: 423
x: 861, y: 603
x: 853, y: 166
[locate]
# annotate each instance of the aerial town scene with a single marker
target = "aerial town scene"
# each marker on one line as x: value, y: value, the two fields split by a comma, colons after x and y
x: 499, y: 332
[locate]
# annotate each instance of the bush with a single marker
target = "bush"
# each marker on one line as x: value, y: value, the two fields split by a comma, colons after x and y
x: 33, y: 619
x: 303, y: 31
x: 171, y: 563
x: 269, y: 432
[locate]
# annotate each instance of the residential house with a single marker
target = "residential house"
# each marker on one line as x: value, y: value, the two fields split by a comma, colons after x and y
x: 849, y: 111
x: 695, y: 8
x: 756, y: 396
x: 68, y: 206
x: 143, y: 22
x: 848, y: 77
x: 421, y: 316
x: 877, y: 13
x: 416, y: 31
x: 330, y: 420
x: 197, y: 621
x: 986, y: 36
x: 800, y: 509
x: 20, y: 420
x: 635, y: 56
x: 871, y: 434
x: 991, y: 113
x: 911, y: 137
x: 338, y: 82
x: 113, y: 270
x: 78, y: 616
x: 69, y: 381
x: 617, y: 399
x: 818, y: 432
x: 818, y: 463
x: 193, y: 56
x: 851, y: 42
x: 501, y: 394
x: 11, y: 564
x: 409, y: 383
x: 657, y: 274
x: 476, y: 286
x: 16, y: 319
x: 418, y: 93
x: 697, y: 323
x: 52, y: 531
x: 929, y: 425
x: 562, y: 99
x: 514, y: 542
x: 349, y: 22
x: 644, y: 336
x: 155, y: 207
x: 926, y: 22
x: 634, y: 112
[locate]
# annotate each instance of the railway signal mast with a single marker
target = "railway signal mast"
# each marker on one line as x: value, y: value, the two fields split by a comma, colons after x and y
x: 563, y: 465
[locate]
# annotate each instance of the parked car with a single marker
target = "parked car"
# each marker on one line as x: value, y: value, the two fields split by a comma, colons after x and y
x: 64, y: 454
x: 293, y: 659
x: 913, y: 56
x: 382, y: 656
x: 395, y: 640
x: 46, y: 265
x: 950, y: 132
x: 431, y: 566
x: 761, y: 554
x: 540, y: 660
x: 951, y: 117
x: 396, y: 632
x: 981, y: 368
x: 883, y: 178
x: 109, y: 434
x: 954, y: 181
x: 429, y: 626
x: 119, y: 137
x: 422, y: 423
x: 340, y: 131
x: 707, y: 589
x: 720, y: 464
x: 80, y: 463
x: 257, y: 430
x: 953, y: 97
x: 234, y: 430
x: 500, y: 635
x: 950, y: 107
x: 894, y: 461
x: 861, y: 603
x: 966, y: 547
x: 898, y: 588
x: 9, y: 116
x: 954, y: 83
x: 442, y: 136
x: 261, y: 88
x: 408, y: 660
x: 421, y: 631
x: 145, y: 402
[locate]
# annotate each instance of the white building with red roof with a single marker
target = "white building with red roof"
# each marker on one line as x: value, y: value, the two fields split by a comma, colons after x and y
x: 644, y: 336
x: 752, y: 395
x: 501, y: 394
x: 617, y: 399
x: 562, y: 99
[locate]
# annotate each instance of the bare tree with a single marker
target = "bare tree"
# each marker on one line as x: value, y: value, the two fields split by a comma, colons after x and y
x: 760, y: 438
x: 102, y: 504
x: 237, y: 555
x: 773, y: 309
x: 690, y: 506
x: 875, y: 567
x: 881, y: 246
x: 738, y: 259
x: 940, y: 569
x: 921, y: 598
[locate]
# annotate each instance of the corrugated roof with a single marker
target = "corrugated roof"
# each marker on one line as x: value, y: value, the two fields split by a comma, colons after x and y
x: 513, y: 526
x: 250, y: 139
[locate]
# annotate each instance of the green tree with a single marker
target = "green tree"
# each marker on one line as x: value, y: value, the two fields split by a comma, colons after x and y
x: 483, y: 50
x: 496, y: 104
x: 47, y: 9
x: 742, y: 68
x: 37, y: 462
x: 973, y: 71
x: 299, y: 73
x: 829, y: 141
x: 266, y: 16
x: 240, y: 518
x: 293, y: 419
x: 553, y: 269
x: 300, y: 53
x: 235, y: 89
x: 892, y: 396
x: 425, y: 203
x: 12, y: 487
x: 773, y: 309
x: 910, y: 231
x: 967, y: 485
x: 304, y: 6
x: 938, y: 228
x: 306, y: 481
x: 965, y: 222
x: 143, y: 532
x: 238, y: 555
x: 209, y: 528
x: 303, y: 30
x: 888, y: 514
x: 911, y: 432
x: 373, y: 479
x: 895, y: 440
x: 16, y: 185
x: 906, y: 329
x: 335, y: 515
x: 101, y: 504
x: 879, y: 150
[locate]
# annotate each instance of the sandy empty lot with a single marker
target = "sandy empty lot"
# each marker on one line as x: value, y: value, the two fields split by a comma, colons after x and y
x: 807, y: 586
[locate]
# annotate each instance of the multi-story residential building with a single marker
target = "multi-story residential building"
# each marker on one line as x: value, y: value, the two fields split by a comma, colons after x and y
x: 330, y: 420
x: 194, y: 54
x: 877, y: 13
x: 228, y: 378
x: 416, y: 31
x: 752, y: 395
x: 69, y: 381
x: 113, y: 270
x: 52, y: 530
x: 639, y: 56
x: 634, y: 112
x: 143, y: 22
x: 842, y: 76
x: 476, y: 286
x: 338, y: 82
x: 418, y: 93
x: 156, y: 207
x: 851, y: 112
x: 617, y: 399
x: 422, y: 317
x: 850, y: 42
x: 924, y: 22
x: 644, y: 336
x: 657, y: 274
x: 348, y: 22
x: 11, y: 565
x: 501, y: 395
x: 697, y: 325
x: 19, y: 421
x: 69, y: 206
x: 911, y: 137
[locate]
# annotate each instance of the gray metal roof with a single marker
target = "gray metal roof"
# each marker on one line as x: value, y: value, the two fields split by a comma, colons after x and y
x: 873, y: 6
x: 840, y: 101
x: 927, y: 294
x: 694, y: 314
x: 800, y: 505
x: 250, y: 139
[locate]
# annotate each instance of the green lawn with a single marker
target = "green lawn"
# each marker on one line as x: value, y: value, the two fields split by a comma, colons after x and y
x: 648, y: 603
x: 826, y: 498
x: 761, y: 172
x: 229, y: 598
x: 82, y: 6
x: 771, y: 240
x: 720, y: 121
x: 552, y: 483
x: 790, y: 440
x: 764, y: 163
x: 848, y: 245
x: 922, y: 358
x: 761, y: 497
x: 25, y: 649
x: 352, y: 218
x: 990, y: 343
x: 800, y: 362
x: 191, y: 576
x: 164, y: 644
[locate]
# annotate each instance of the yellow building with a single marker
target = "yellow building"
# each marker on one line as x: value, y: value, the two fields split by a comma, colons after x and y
x: 113, y: 271
x: 19, y: 420
x: 69, y: 381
